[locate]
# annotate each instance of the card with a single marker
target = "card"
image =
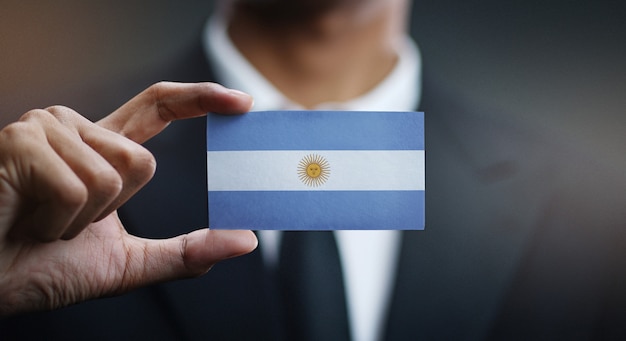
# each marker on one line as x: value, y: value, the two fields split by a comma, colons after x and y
x: 316, y: 170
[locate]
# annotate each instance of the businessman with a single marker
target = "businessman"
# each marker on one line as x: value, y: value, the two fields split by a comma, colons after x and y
x: 513, y: 247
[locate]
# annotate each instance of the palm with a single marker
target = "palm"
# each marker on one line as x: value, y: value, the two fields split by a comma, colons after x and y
x: 94, y: 263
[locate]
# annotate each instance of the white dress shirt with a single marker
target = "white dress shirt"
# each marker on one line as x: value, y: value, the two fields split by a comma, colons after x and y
x: 368, y: 258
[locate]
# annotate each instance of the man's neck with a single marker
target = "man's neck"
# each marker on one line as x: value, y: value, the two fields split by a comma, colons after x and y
x: 334, y: 57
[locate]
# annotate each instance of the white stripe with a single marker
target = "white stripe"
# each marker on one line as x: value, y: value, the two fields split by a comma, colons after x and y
x: 350, y: 170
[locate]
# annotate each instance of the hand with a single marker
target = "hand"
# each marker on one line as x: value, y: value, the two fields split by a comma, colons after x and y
x: 62, y: 179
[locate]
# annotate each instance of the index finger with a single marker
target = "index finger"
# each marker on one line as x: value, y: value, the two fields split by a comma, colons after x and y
x: 152, y: 110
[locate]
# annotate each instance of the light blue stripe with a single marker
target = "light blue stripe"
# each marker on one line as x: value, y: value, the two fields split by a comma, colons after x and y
x: 319, y: 130
x: 349, y: 210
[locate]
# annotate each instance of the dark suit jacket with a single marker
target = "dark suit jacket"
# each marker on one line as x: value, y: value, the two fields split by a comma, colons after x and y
x: 524, y: 239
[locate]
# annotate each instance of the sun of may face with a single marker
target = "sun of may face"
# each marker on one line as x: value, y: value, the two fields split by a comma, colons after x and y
x: 313, y: 170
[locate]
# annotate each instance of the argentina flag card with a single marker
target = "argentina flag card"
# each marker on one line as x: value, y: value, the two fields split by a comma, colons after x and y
x: 316, y: 170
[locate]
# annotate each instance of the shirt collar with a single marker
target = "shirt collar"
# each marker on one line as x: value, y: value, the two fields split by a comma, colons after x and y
x: 399, y: 91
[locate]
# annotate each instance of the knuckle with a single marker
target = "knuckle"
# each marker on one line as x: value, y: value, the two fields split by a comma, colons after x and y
x: 137, y: 162
x: 16, y: 129
x: 51, y: 115
x: 159, y: 86
x: 20, y: 137
x: 156, y: 92
x: 58, y: 110
x: 73, y: 196
x: 106, y: 183
x: 36, y: 115
x: 144, y: 165
x: 62, y: 113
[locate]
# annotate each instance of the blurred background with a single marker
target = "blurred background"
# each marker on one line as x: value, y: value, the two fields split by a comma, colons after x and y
x: 558, y: 64
x: 51, y: 51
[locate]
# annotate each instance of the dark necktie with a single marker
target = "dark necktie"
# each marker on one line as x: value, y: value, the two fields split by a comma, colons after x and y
x: 311, y: 286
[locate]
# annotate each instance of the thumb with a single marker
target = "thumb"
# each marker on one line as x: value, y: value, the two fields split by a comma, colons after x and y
x: 188, y: 255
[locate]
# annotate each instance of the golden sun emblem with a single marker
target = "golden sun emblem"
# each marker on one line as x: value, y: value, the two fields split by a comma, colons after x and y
x: 313, y: 170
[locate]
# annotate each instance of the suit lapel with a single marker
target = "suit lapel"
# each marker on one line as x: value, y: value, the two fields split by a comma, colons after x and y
x: 479, y: 217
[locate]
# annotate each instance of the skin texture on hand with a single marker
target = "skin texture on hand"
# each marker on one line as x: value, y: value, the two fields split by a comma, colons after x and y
x: 62, y: 179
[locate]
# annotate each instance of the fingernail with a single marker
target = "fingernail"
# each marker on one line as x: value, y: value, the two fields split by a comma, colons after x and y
x: 238, y: 93
x: 242, y: 95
